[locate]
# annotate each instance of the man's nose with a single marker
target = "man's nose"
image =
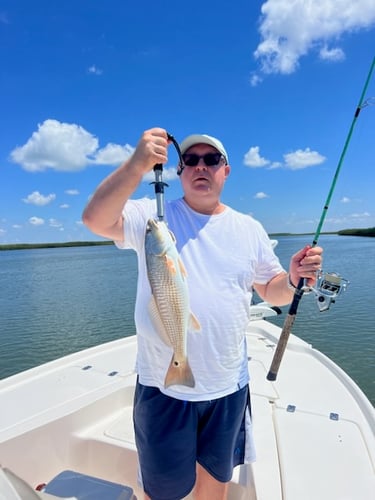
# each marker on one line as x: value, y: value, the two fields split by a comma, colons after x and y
x: 201, y: 164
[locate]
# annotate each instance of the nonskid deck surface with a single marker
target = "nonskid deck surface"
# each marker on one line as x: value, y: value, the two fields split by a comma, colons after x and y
x: 308, y: 424
x: 323, y: 425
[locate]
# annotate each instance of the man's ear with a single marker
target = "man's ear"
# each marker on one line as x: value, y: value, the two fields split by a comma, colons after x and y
x: 227, y: 170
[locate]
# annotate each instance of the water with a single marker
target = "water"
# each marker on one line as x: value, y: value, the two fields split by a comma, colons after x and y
x: 346, y: 332
x: 57, y: 301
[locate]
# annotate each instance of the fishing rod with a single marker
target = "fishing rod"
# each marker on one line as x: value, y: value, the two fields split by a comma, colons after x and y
x: 159, y: 184
x: 329, y: 284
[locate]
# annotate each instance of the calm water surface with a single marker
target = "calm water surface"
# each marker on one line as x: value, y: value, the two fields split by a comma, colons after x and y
x: 57, y: 301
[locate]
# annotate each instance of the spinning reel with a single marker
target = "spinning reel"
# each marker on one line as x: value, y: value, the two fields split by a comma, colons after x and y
x: 328, y: 287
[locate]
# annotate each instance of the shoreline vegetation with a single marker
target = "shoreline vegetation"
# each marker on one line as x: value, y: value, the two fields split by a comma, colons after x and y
x: 27, y: 246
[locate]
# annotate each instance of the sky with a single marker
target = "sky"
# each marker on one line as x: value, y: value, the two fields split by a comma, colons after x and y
x: 278, y: 82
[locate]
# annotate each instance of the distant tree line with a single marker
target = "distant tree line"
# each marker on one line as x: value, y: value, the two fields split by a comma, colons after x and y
x: 370, y: 231
x: 28, y: 246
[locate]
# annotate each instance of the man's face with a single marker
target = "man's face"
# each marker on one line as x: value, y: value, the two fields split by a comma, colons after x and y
x: 203, y: 181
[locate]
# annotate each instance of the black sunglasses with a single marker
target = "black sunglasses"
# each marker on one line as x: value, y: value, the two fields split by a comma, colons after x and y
x: 209, y: 159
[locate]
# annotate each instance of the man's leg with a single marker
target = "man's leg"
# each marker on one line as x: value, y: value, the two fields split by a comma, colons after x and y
x: 165, y: 434
x: 220, y: 444
x: 207, y: 487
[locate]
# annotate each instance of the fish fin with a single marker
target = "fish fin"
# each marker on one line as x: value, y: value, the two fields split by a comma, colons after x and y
x: 179, y: 373
x: 182, y: 268
x: 170, y: 265
x: 194, y: 323
x: 157, y: 322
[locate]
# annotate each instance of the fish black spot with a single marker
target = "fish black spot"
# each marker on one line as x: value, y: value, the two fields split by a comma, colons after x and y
x: 176, y: 363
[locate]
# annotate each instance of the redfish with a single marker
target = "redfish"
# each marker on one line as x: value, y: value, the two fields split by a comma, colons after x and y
x: 169, y: 306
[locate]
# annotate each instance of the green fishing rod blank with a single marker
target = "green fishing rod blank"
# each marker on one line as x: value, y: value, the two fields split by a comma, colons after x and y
x: 289, y: 320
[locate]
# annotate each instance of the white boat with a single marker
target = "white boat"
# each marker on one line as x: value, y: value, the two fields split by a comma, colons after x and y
x: 68, y: 424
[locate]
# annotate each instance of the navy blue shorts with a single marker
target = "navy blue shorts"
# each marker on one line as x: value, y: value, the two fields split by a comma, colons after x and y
x: 172, y: 435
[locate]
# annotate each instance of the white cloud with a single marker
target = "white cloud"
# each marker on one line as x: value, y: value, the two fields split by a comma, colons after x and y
x: 255, y: 80
x: 113, y: 154
x: 94, y: 70
x: 55, y: 223
x: 253, y: 159
x: 72, y: 192
x: 261, y: 196
x: 363, y: 215
x: 295, y: 160
x: 64, y: 205
x: 275, y: 164
x: 331, y: 54
x: 66, y: 147
x: 345, y: 199
x: 35, y: 198
x: 290, y: 30
x: 169, y: 174
x: 299, y: 159
x: 354, y: 218
x: 59, y: 146
x: 36, y: 221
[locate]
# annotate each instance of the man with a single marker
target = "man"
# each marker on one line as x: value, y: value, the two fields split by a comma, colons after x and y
x: 191, y: 438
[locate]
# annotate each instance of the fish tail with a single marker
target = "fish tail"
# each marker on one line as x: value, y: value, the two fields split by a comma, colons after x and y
x: 179, y: 373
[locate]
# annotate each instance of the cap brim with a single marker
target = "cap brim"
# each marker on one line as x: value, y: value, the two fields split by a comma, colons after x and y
x: 194, y: 139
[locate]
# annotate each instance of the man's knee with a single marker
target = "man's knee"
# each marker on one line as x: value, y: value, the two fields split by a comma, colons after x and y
x: 207, y: 487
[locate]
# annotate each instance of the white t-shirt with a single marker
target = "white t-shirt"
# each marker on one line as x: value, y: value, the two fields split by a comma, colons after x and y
x: 224, y: 255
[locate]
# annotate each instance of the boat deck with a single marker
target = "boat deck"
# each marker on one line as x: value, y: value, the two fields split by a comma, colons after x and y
x: 311, y: 426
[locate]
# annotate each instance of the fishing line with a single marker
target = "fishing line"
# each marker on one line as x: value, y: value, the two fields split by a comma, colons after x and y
x: 332, y: 280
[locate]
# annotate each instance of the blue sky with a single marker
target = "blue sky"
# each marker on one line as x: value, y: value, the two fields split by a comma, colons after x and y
x: 277, y: 81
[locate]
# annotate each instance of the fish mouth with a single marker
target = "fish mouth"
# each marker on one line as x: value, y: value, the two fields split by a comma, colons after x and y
x: 151, y: 223
x: 151, y: 226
